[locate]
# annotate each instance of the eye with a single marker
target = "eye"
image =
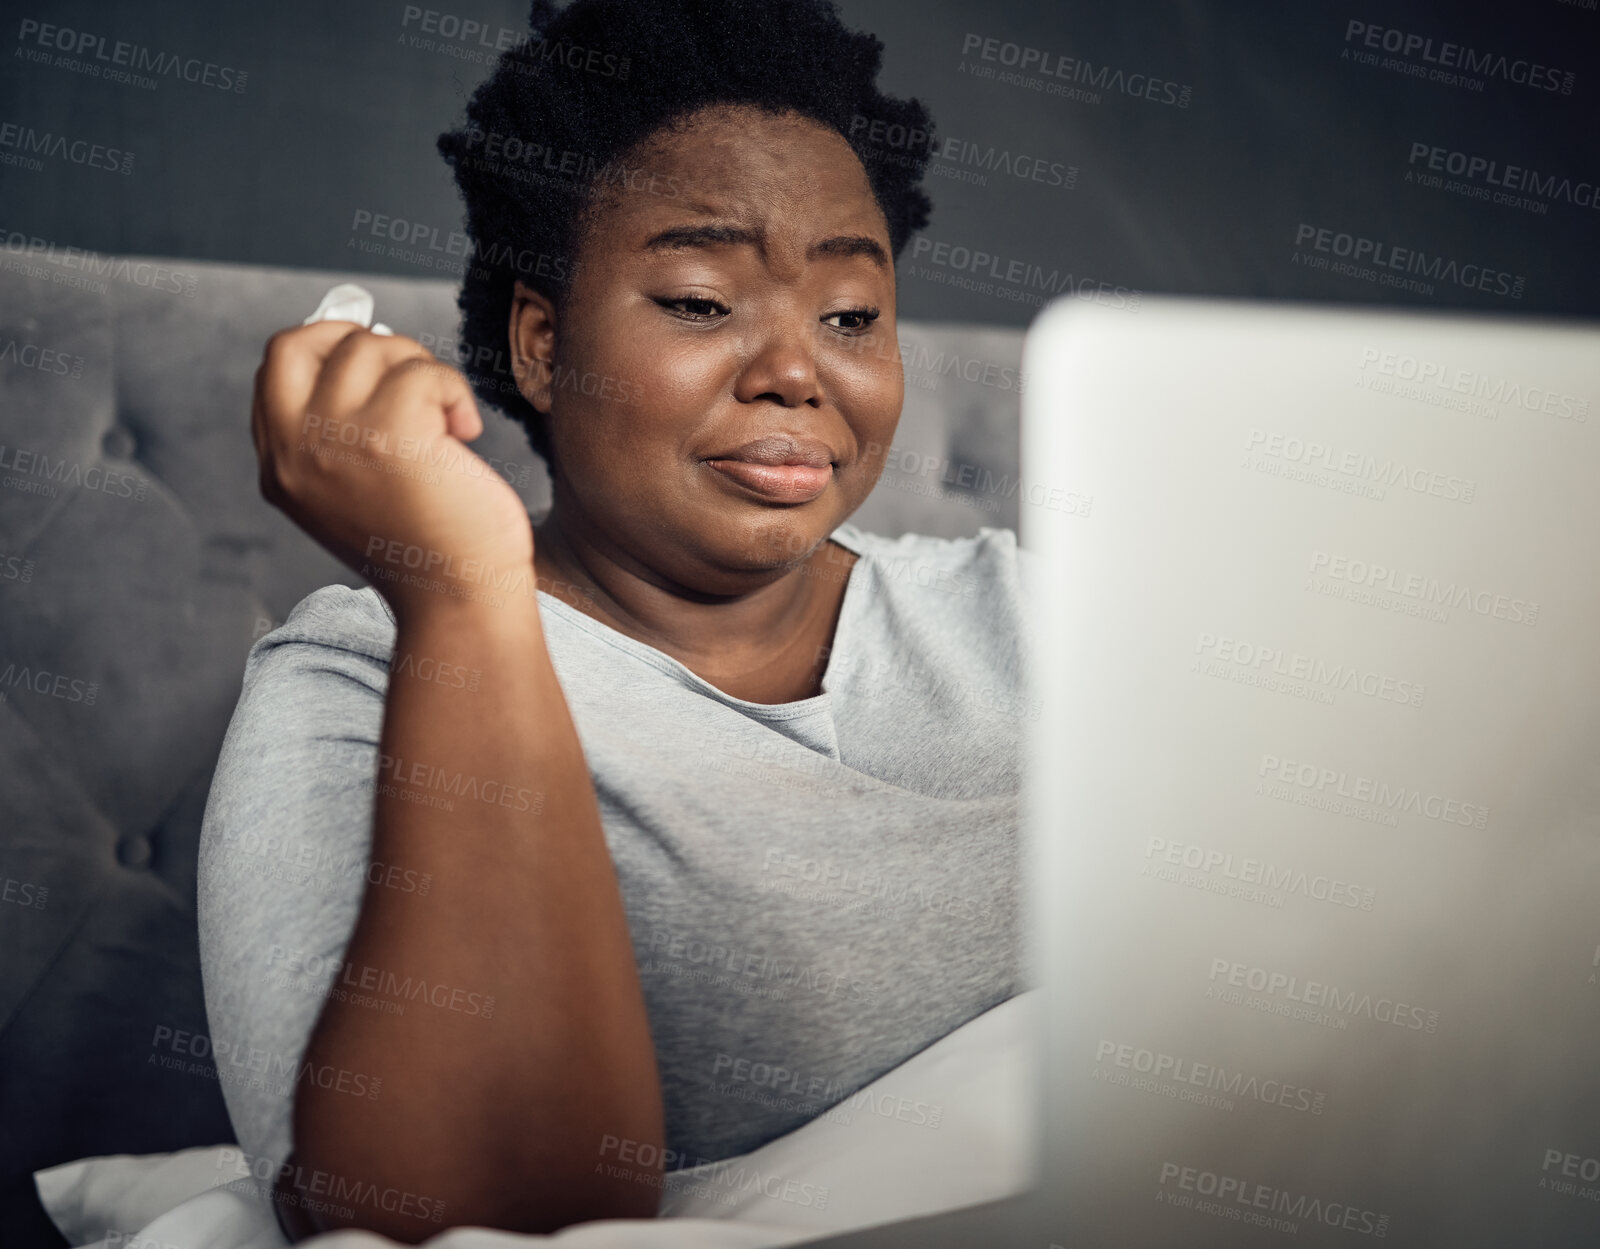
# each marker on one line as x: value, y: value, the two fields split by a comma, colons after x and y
x: 857, y: 320
x: 694, y: 308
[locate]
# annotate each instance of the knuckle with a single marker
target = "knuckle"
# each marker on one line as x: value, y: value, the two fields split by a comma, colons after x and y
x: 287, y: 479
x: 420, y: 369
x: 278, y: 346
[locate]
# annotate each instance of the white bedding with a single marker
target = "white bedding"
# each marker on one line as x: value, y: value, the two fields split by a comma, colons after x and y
x: 881, y: 1156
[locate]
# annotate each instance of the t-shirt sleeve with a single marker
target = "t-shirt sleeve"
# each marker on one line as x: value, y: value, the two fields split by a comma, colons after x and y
x: 284, y: 850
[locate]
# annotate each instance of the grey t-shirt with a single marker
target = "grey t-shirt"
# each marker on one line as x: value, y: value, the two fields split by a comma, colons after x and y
x: 816, y: 890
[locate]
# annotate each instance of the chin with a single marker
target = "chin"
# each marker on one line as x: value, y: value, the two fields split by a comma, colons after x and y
x: 775, y: 539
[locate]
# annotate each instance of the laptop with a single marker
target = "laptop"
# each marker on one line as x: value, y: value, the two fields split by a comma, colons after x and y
x: 1313, y: 804
x: 1315, y: 796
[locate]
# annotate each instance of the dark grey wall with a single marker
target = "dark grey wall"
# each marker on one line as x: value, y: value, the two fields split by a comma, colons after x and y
x: 1279, y: 127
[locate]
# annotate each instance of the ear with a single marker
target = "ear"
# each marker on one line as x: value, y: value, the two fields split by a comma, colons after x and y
x: 533, y: 344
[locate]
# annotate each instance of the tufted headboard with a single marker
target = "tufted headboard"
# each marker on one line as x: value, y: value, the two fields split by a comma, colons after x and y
x: 138, y: 563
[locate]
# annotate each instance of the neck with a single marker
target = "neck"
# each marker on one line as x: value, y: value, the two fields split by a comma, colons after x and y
x: 760, y: 634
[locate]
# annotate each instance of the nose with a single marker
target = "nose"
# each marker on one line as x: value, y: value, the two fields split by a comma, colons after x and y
x: 783, y: 368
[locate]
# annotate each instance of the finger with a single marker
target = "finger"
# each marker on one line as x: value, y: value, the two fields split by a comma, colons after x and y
x: 352, y: 371
x: 462, y: 418
x: 426, y: 385
x: 290, y: 366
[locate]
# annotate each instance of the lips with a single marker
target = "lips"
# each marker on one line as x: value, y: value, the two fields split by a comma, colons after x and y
x: 780, y: 467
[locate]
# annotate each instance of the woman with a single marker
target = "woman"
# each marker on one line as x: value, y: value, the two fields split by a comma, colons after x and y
x: 744, y: 794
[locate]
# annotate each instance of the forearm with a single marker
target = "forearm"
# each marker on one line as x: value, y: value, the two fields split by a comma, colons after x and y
x: 499, y: 1117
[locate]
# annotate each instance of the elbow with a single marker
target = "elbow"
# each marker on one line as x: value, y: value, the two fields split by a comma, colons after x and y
x: 412, y: 1195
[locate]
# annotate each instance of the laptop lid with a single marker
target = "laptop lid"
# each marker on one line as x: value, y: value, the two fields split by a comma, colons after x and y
x: 1314, y: 802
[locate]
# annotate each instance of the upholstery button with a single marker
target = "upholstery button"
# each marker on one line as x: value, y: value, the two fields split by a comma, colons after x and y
x: 134, y: 851
x: 118, y: 442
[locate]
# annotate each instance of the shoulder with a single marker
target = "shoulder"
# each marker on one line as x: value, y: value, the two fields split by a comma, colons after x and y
x: 336, y: 616
x: 949, y: 610
x: 319, y: 677
x: 983, y: 567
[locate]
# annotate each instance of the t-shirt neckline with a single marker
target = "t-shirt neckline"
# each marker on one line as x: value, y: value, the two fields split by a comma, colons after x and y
x: 846, y: 535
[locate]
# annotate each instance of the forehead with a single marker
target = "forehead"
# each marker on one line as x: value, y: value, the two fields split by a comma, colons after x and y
x: 739, y: 163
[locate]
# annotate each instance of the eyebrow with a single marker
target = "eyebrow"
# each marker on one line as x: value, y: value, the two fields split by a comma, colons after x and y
x: 676, y: 237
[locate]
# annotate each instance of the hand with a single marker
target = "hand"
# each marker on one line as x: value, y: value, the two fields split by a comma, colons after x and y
x: 361, y: 439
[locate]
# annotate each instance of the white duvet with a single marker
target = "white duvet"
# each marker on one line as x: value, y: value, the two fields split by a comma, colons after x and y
x: 881, y: 1156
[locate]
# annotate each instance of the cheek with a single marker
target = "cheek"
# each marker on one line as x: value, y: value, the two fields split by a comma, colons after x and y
x: 602, y: 393
x: 661, y: 387
x: 872, y: 390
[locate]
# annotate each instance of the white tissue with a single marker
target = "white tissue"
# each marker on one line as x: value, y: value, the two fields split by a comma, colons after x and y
x: 347, y: 302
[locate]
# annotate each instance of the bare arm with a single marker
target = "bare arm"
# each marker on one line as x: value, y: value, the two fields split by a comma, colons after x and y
x: 499, y: 1117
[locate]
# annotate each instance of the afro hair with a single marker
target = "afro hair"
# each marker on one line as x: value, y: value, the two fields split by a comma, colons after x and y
x: 547, y: 132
